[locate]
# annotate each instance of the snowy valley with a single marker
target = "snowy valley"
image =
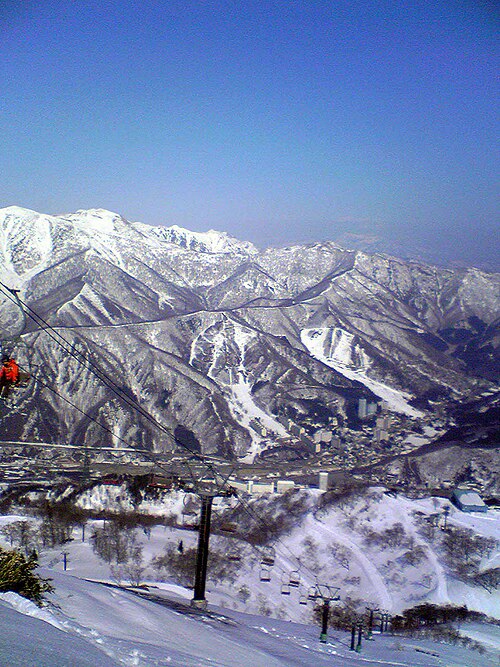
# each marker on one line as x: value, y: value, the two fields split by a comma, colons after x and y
x: 246, y: 350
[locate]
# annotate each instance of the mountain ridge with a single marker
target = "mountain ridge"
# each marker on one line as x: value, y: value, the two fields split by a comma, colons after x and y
x: 423, y: 331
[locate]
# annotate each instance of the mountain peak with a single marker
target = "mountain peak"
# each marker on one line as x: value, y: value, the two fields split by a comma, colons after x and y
x: 16, y: 210
x: 99, y: 219
x: 212, y: 242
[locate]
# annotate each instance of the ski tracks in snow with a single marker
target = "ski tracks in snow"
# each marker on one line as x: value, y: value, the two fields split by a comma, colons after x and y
x: 441, y: 592
x: 374, y: 576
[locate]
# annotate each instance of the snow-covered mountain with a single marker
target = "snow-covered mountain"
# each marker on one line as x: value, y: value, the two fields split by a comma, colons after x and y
x: 227, y: 343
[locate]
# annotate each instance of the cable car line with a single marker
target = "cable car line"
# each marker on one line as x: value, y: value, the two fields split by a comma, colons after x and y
x: 87, y: 363
x: 82, y: 359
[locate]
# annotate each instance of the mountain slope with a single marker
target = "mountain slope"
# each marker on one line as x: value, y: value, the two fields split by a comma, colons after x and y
x: 185, y: 322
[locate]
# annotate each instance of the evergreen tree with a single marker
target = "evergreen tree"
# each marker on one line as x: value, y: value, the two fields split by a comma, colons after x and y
x: 17, y: 575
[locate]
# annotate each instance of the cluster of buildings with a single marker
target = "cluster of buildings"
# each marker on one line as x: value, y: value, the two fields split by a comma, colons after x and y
x: 331, y: 437
x: 259, y: 488
x: 273, y: 486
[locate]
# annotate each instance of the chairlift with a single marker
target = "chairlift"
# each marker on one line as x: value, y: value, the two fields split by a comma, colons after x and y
x: 265, y: 574
x: 285, y: 584
x: 313, y: 593
x: 268, y: 556
x: 228, y: 527
x: 23, y: 374
x: 12, y: 326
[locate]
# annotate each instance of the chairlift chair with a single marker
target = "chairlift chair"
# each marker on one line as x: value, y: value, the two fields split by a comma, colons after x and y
x: 228, y: 527
x: 268, y: 556
x: 313, y: 593
x: 285, y: 584
x: 24, y: 378
x: 12, y: 327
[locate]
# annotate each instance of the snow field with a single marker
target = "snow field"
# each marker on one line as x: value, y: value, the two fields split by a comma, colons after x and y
x: 134, y: 631
x: 336, y: 348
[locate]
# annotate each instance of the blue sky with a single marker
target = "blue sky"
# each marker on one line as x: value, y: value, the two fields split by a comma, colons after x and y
x: 276, y: 121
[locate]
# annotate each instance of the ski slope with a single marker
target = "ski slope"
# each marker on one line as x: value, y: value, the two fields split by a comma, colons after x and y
x: 91, y: 623
x: 95, y: 625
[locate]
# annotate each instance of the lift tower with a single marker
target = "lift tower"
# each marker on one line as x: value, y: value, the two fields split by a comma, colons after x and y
x: 207, y: 497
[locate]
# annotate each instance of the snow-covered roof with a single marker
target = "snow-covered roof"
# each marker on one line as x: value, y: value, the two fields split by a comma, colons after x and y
x: 467, y: 497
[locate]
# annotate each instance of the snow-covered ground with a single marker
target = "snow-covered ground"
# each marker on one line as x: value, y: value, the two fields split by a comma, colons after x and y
x: 95, y: 625
x: 342, y: 545
x: 374, y: 546
x: 337, y: 348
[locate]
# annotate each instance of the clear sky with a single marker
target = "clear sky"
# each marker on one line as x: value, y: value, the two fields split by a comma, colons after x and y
x: 276, y: 121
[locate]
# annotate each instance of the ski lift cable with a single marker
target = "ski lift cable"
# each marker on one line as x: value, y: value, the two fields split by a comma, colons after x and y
x: 278, y: 543
x: 85, y: 414
x: 251, y: 512
x: 144, y: 453
x: 92, y: 367
x: 82, y: 359
x: 13, y: 295
x: 280, y: 547
x: 70, y: 349
x: 87, y: 363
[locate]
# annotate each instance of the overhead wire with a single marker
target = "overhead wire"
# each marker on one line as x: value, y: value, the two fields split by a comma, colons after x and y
x: 87, y: 363
x: 70, y: 349
x: 85, y: 414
